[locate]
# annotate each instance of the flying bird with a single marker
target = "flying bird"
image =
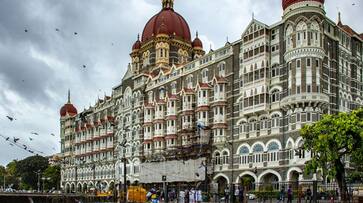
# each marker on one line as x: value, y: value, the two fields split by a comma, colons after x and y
x: 26, y: 30
x: 11, y: 145
x: 16, y: 139
x: 52, y: 134
x: 34, y: 133
x: 84, y: 66
x: 10, y: 118
x: 31, y: 139
x: 57, y: 29
x: 31, y: 151
x: 7, y: 139
x: 75, y: 33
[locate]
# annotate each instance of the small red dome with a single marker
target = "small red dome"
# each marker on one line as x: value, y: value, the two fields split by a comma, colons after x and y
x: 287, y: 3
x: 169, y: 22
x: 137, y: 45
x: 68, y: 109
x: 197, y: 42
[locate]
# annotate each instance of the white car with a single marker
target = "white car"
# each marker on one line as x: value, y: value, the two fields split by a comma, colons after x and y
x: 251, y: 196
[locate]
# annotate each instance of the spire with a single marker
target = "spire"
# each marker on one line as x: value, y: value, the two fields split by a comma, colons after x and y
x: 196, y: 34
x: 168, y: 4
x: 339, y: 18
x: 69, y: 96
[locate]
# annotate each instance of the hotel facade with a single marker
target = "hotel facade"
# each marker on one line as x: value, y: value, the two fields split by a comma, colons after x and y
x: 224, y: 114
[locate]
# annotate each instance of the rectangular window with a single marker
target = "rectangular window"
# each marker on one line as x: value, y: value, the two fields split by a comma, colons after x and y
x: 308, y: 62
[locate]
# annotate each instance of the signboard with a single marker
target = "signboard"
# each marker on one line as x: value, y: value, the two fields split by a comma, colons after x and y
x: 174, y: 171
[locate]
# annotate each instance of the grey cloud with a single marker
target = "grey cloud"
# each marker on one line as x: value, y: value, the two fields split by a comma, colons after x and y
x: 59, y: 56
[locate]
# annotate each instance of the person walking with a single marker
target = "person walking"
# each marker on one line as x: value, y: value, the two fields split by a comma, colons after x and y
x: 241, y: 194
x: 226, y: 195
x: 289, y: 195
x: 308, y: 195
x: 236, y: 194
x: 282, y: 195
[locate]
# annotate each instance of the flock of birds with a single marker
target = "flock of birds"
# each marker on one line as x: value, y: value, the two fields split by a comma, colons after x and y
x: 58, y: 30
x: 16, y: 142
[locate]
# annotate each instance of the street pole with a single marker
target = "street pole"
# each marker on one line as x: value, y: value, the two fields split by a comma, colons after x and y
x: 125, y: 185
x: 4, y: 182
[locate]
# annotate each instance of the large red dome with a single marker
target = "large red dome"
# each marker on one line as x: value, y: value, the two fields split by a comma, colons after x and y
x: 287, y: 3
x: 169, y: 22
x: 68, y: 109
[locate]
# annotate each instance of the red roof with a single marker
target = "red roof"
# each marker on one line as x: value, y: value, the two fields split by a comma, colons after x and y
x: 197, y: 42
x: 68, y: 109
x: 349, y: 30
x: 169, y: 22
x: 137, y: 44
x: 204, y: 85
x: 287, y: 3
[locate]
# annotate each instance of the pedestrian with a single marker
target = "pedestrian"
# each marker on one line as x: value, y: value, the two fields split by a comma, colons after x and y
x: 282, y: 194
x: 236, y: 193
x: 226, y: 195
x: 182, y: 196
x: 199, y: 197
x: 308, y: 195
x: 289, y: 195
x: 186, y: 196
x: 192, y: 196
x: 241, y: 194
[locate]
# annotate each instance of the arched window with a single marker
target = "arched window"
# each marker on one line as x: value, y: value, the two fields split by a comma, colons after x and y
x: 263, y: 123
x: 222, y: 69
x: 257, y: 153
x: 189, y: 81
x: 314, y: 34
x: 273, y: 149
x: 217, y: 157
x: 288, y: 37
x: 275, y: 96
x: 244, y: 150
x: 173, y: 88
x: 162, y: 93
x: 204, y: 75
x: 301, y: 34
x: 225, y: 158
x: 244, y: 154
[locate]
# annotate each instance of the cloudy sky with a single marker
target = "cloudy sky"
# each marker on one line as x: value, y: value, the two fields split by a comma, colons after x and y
x: 38, y: 66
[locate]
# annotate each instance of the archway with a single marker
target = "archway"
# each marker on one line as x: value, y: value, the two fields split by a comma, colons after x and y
x: 73, y: 188
x: 222, y: 183
x: 248, y: 182
x: 68, y: 188
x: 79, y: 187
x: 84, y: 188
x: 269, y: 180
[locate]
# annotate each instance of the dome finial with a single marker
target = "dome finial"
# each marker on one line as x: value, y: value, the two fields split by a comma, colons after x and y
x: 69, y: 96
x: 196, y: 34
x: 168, y: 4
x: 339, y: 17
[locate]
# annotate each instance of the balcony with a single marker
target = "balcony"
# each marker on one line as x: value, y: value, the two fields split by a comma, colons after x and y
x: 314, y: 99
x: 255, y: 109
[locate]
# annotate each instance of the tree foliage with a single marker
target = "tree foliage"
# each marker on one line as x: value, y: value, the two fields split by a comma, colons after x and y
x: 27, y: 168
x: 52, y: 172
x: 332, y: 140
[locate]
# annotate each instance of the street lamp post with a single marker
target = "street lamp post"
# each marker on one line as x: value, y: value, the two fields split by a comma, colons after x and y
x: 43, y: 179
x: 38, y: 184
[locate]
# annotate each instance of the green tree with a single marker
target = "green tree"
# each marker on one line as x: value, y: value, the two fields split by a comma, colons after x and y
x: 331, y: 140
x: 28, y: 167
x: 52, y: 172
